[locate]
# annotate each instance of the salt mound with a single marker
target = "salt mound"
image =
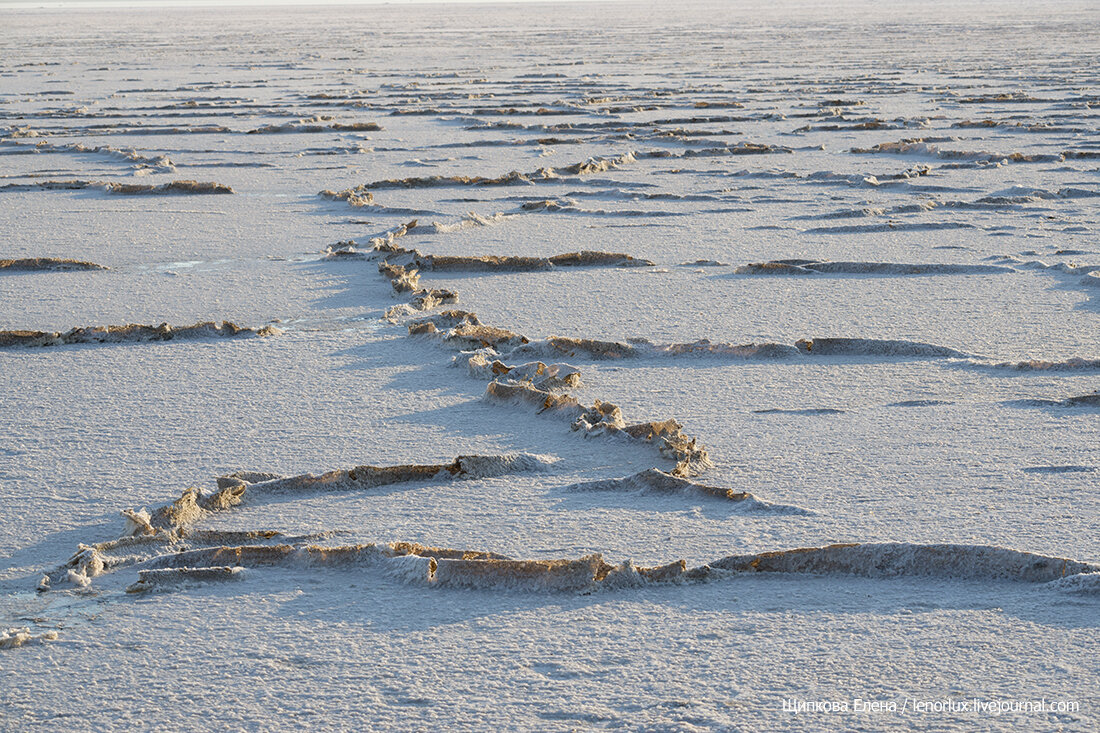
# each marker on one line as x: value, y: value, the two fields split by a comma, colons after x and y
x: 49, y: 264
x: 1073, y: 364
x: 875, y: 347
x: 512, y: 178
x: 475, y: 336
x: 590, y: 347
x: 656, y: 481
x: 15, y: 638
x: 1082, y: 583
x: 193, y: 504
x: 1087, y: 400
x: 131, y: 333
x: 124, y: 189
x: 427, y: 566
x: 165, y: 578
x: 548, y: 377
x: 357, y: 196
x: 413, y: 564
x: 317, y: 123
x: 445, y: 320
x: 919, y: 147
x: 173, y: 187
x: 527, y: 575
x: 897, y: 559
x: 603, y: 418
x: 155, y: 162
x: 809, y: 267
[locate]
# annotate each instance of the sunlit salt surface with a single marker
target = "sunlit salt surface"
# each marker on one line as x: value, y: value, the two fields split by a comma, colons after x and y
x: 549, y: 367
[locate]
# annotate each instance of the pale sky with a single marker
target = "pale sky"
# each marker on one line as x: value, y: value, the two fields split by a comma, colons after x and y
x: 222, y: 3
x: 30, y: 4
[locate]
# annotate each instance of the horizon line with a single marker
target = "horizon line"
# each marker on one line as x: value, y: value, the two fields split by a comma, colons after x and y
x: 208, y: 4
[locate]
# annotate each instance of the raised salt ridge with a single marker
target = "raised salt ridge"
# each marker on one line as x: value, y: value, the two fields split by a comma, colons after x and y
x: 131, y: 333
x: 48, y: 264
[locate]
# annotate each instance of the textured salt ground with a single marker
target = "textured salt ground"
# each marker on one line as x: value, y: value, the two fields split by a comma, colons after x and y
x: 225, y: 427
x: 181, y: 426
x: 925, y: 475
x: 607, y: 303
x: 116, y: 230
x: 393, y: 159
x: 1011, y: 636
x: 411, y: 657
x: 246, y: 291
x: 961, y: 497
x: 693, y: 235
x: 706, y: 226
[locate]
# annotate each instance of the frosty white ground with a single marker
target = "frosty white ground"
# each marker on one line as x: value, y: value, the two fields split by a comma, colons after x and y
x: 758, y: 111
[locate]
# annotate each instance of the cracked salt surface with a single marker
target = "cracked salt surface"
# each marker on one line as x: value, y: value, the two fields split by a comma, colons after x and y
x: 871, y: 476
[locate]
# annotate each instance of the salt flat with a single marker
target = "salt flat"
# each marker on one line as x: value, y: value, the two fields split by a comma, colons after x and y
x: 850, y: 250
